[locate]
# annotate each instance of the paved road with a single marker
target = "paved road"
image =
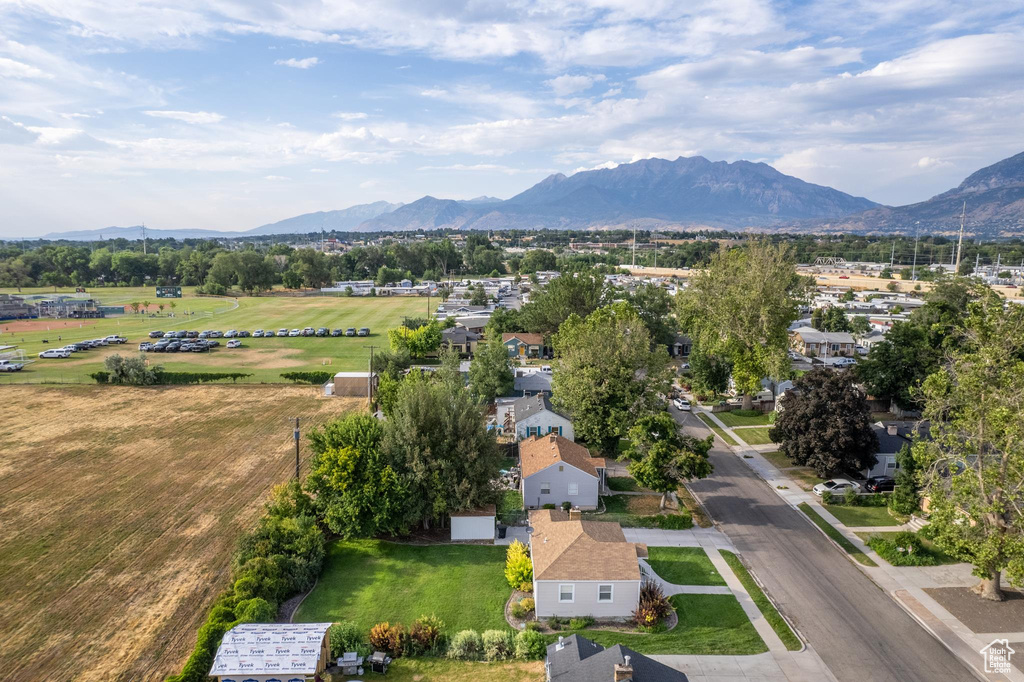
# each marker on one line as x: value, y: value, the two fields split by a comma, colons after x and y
x: 860, y: 633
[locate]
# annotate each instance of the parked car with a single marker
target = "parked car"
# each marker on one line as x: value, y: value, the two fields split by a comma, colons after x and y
x: 860, y: 350
x: 364, y: 331
x: 257, y: 334
x: 234, y: 343
x: 192, y: 335
x: 337, y: 332
x: 212, y: 344
x: 322, y: 331
x: 216, y: 334
x: 295, y: 332
x: 880, y: 484
x: 268, y: 333
x: 173, y: 346
x: 282, y: 332
x: 201, y: 347
x: 243, y: 334
x: 145, y: 346
x: 844, y: 362
x: 100, y: 342
x: 682, y: 404
x: 156, y: 335
x: 114, y: 338
x: 81, y: 346
x: 230, y: 334
x: 351, y: 331
x: 55, y: 353
x: 8, y: 366
x: 836, y: 486
x: 308, y: 331
x: 186, y: 347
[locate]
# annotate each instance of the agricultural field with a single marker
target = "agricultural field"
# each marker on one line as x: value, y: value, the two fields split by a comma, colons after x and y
x: 265, y: 359
x: 120, y: 509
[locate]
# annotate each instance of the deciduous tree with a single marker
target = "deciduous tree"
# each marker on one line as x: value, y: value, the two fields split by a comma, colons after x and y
x: 572, y: 294
x: 661, y: 458
x: 895, y: 367
x: 490, y: 374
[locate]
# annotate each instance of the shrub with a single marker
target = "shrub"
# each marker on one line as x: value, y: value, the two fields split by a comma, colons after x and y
x: 498, y: 645
x: 346, y: 636
x: 827, y: 497
x: 308, y: 377
x: 850, y: 497
x: 681, y: 521
x: 528, y: 604
x: 531, y: 625
x: 426, y: 636
x: 517, y: 611
x: 566, y: 506
x: 530, y: 645
x: 549, y: 505
x: 255, y: 610
x: 653, y: 607
x: 904, y: 549
x: 526, y: 587
x: 581, y: 622
x: 556, y: 623
x: 466, y: 645
x: 518, y: 567
x: 391, y: 639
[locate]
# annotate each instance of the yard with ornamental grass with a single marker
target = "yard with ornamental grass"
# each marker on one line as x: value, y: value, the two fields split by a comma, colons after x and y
x: 684, y: 566
x: 744, y: 418
x: 264, y: 358
x: 835, y: 535
x: 370, y: 581
x: 863, y: 516
x: 753, y: 435
x: 717, y: 429
x: 938, y: 557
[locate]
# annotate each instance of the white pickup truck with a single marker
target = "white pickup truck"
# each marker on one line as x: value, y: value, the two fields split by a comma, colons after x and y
x: 8, y: 366
x: 114, y: 338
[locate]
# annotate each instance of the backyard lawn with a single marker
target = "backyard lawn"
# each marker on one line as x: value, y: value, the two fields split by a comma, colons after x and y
x: 442, y: 670
x: 369, y: 581
x: 627, y: 510
x: 709, y: 624
x: 754, y: 435
x: 744, y: 418
x: 862, y: 516
x: 684, y: 566
x: 717, y: 429
x: 625, y: 484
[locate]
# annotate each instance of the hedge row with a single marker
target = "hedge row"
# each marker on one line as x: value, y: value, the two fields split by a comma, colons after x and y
x: 162, y: 377
x: 308, y: 377
x: 281, y: 557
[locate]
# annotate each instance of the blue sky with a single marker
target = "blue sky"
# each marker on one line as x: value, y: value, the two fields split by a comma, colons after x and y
x: 227, y: 115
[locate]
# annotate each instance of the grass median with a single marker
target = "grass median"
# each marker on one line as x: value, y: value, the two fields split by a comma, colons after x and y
x: 834, y: 533
x: 719, y: 431
x: 767, y: 608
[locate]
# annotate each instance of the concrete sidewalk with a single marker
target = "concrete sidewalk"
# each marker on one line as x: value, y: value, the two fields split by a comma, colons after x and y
x: 905, y: 585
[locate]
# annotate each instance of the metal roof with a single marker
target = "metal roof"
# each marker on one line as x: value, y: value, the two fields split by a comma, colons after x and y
x: 284, y: 649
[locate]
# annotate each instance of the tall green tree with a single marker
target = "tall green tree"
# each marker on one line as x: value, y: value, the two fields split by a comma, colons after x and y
x: 972, y: 467
x: 490, y: 374
x: 606, y: 374
x: 740, y: 308
x: 710, y: 374
x: 896, y: 366
x: 655, y: 307
x: 662, y: 459
x: 825, y: 423
x: 504, y: 321
x: 538, y: 260
x: 577, y: 294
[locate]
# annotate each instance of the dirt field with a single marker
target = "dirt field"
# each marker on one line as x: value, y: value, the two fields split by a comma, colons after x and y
x: 119, y: 511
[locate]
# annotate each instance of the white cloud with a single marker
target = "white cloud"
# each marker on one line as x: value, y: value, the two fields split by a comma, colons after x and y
x: 350, y: 115
x: 307, y: 63
x: 318, y: 170
x: 931, y: 162
x: 276, y: 178
x: 607, y: 165
x: 10, y: 68
x: 483, y: 168
x: 197, y: 117
x: 566, y: 85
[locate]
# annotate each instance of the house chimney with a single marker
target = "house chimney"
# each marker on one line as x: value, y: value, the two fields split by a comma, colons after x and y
x: 575, y: 514
x: 623, y: 671
x: 892, y: 430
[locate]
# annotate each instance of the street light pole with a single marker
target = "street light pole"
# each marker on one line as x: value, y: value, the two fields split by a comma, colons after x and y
x: 296, y: 434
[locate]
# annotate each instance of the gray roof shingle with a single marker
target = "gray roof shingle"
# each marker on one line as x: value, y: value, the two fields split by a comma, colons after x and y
x: 581, y: 660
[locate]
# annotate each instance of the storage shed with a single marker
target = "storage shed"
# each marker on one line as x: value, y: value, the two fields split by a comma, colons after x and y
x: 474, y: 524
x: 353, y: 384
x: 262, y: 652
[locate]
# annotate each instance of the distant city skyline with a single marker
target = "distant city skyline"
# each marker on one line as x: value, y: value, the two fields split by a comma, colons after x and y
x: 226, y: 116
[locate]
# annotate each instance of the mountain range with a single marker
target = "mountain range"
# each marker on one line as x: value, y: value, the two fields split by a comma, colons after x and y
x: 689, y: 192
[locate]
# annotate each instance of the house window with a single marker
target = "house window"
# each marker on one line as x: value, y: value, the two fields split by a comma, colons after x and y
x: 604, y: 593
x: 566, y: 593
x: 561, y: 468
x: 545, y: 488
x: 890, y: 464
x: 574, y: 488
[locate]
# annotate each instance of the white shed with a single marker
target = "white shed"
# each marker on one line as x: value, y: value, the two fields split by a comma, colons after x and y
x: 474, y: 524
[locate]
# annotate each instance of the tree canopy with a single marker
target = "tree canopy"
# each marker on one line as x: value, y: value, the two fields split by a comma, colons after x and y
x: 825, y: 423
x: 490, y: 374
x: 896, y: 366
x: 578, y: 294
x: 661, y: 458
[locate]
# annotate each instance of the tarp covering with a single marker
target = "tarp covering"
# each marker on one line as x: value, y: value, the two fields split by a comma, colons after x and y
x: 270, y: 649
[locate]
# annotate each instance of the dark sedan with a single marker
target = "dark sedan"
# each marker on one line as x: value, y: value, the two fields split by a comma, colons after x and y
x: 880, y: 484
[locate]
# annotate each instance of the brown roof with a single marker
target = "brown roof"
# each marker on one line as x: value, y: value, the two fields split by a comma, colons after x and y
x: 580, y: 550
x: 485, y: 510
x: 528, y: 339
x: 540, y: 452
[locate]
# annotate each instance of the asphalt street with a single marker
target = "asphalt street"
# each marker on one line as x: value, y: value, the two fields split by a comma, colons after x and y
x: 857, y: 629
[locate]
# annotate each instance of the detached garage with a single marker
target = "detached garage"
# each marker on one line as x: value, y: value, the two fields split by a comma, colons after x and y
x: 474, y: 524
x: 354, y: 384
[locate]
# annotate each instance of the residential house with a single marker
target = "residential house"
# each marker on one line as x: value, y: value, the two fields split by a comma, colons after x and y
x: 532, y: 381
x: 534, y: 416
x: 524, y: 345
x: 892, y: 436
x: 680, y: 346
x: 813, y: 343
x: 583, y: 568
x: 556, y: 470
x: 578, y: 659
x: 474, y: 323
x: 261, y: 652
x: 461, y: 339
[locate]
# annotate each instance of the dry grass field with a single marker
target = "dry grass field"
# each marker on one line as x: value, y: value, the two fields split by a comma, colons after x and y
x: 119, y: 512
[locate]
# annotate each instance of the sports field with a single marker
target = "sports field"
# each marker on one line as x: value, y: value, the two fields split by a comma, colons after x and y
x: 119, y: 512
x: 265, y: 359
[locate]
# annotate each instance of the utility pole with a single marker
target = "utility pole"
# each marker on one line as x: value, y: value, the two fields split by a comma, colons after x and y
x: 369, y: 379
x: 634, y: 246
x: 143, y: 239
x: 960, y: 242
x: 296, y: 434
x: 892, y: 255
x: 913, y: 270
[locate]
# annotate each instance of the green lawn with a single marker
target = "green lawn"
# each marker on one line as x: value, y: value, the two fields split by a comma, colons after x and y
x: 684, y: 566
x: 941, y: 558
x: 743, y: 418
x: 625, y: 484
x: 443, y: 670
x: 717, y: 429
x: 862, y: 516
x: 626, y: 510
x: 838, y: 537
x: 764, y: 605
x: 709, y: 624
x: 778, y: 460
x: 369, y: 581
x: 754, y: 435
x: 804, y: 477
x: 265, y: 359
